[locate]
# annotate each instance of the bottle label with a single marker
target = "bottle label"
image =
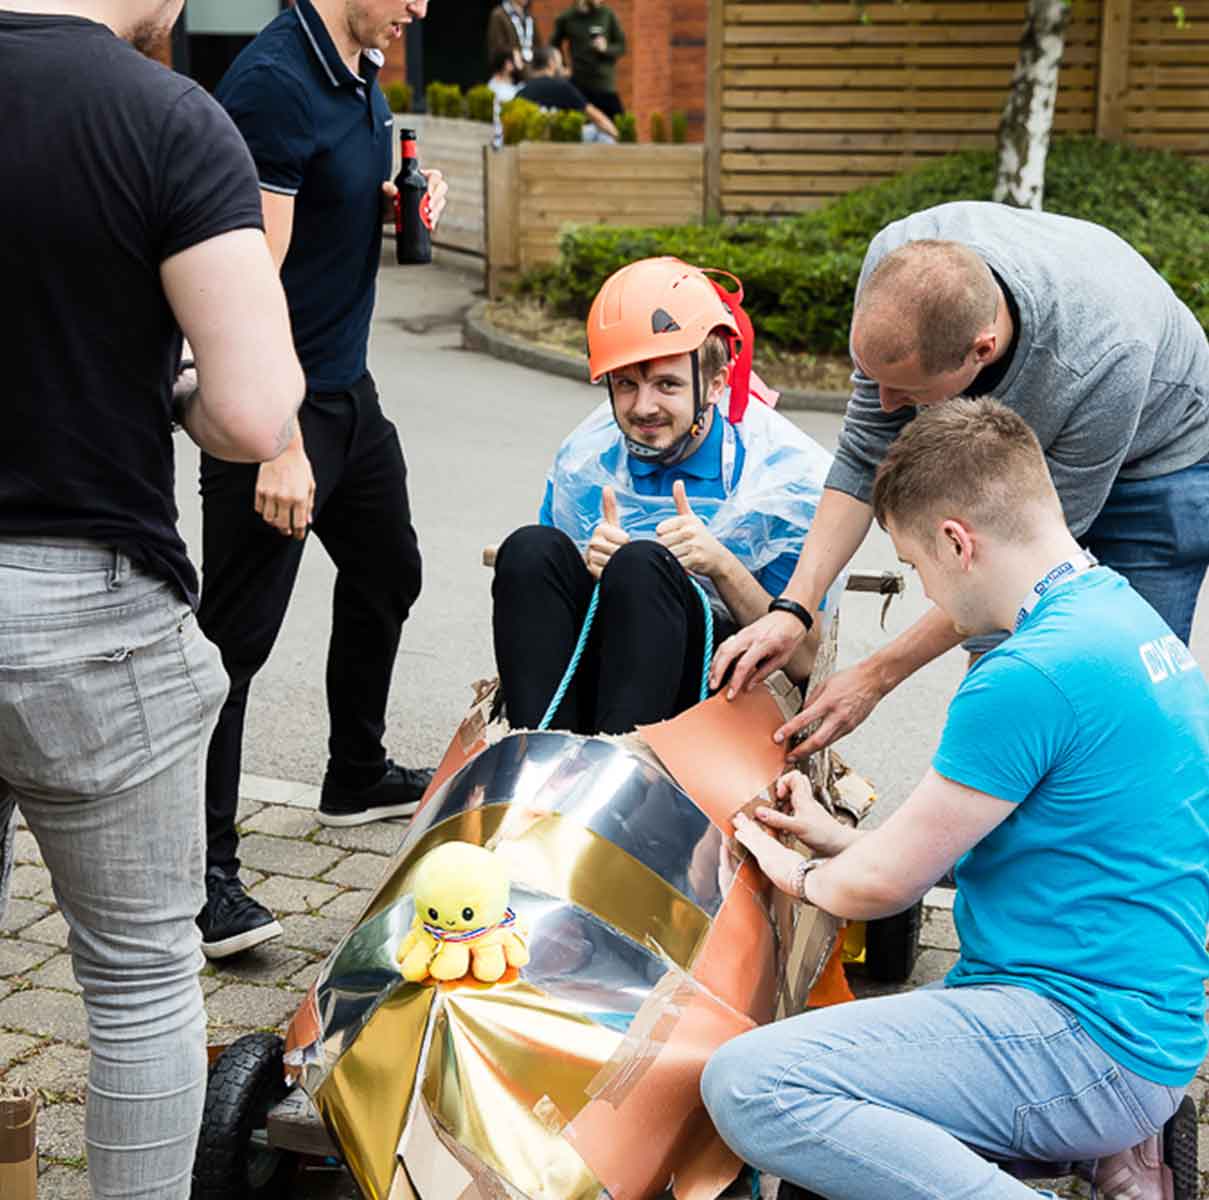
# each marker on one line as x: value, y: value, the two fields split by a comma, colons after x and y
x: 426, y: 210
x: 409, y: 150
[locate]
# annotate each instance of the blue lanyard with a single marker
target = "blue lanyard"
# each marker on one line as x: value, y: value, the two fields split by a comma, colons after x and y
x: 1068, y: 569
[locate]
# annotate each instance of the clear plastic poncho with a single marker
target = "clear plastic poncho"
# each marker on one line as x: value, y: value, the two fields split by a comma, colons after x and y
x: 765, y: 513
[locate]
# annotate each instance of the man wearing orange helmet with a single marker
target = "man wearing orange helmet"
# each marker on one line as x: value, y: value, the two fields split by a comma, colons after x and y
x: 669, y: 516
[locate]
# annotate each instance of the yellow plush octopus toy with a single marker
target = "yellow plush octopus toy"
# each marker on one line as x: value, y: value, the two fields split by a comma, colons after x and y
x: 463, y: 924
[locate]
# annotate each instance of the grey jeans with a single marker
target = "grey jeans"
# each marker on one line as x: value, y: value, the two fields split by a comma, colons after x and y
x: 108, y: 695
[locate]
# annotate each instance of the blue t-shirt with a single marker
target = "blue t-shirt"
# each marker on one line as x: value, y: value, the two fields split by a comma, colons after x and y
x: 323, y: 135
x: 1093, y: 718
x: 702, y: 476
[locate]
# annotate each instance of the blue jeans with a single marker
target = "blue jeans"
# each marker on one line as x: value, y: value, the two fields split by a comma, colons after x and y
x: 885, y: 1097
x: 1155, y: 532
x: 108, y: 694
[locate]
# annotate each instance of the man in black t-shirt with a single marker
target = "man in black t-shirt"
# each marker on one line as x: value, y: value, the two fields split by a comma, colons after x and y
x: 548, y: 89
x: 304, y: 94
x: 130, y: 212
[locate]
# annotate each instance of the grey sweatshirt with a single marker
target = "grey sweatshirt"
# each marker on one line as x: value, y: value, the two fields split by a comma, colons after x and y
x: 1111, y: 370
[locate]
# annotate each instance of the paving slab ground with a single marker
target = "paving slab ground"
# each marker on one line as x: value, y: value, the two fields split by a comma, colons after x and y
x: 317, y: 889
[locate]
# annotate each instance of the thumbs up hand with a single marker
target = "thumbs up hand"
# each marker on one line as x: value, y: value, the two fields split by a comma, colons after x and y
x: 607, y: 537
x: 686, y: 536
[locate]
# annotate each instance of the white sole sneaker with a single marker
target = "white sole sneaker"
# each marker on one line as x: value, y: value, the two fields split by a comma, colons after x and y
x: 363, y: 816
x: 242, y: 941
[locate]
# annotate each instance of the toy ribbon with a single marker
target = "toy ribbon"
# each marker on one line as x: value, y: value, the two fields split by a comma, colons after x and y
x: 468, y: 935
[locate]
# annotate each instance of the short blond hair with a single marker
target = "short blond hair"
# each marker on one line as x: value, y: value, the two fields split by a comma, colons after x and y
x: 971, y: 459
x: 932, y: 296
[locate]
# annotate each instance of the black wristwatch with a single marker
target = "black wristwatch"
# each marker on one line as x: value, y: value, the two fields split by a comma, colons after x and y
x: 784, y: 604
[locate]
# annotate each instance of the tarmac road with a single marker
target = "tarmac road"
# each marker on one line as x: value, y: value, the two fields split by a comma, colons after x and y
x: 479, y: 435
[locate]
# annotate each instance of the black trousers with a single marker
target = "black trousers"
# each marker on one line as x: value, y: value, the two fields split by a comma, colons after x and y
x: 609, y: 103
x: 363, y: 519
x: 644, y: 657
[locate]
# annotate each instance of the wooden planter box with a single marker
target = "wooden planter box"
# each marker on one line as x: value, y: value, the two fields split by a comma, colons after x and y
x: 456, y: 148
x: 536, y: 189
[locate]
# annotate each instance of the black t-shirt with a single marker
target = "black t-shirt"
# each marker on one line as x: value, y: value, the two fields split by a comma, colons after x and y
x: 549, y: 92
x: 109, y: 164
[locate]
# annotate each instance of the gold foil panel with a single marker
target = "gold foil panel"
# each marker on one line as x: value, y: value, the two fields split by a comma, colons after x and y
x: 502, y: 1059
x: 366, y: 1096
x: 561, y: 857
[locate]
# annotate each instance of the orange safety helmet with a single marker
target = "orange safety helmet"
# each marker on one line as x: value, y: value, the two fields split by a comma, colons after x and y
x: 650, y: 309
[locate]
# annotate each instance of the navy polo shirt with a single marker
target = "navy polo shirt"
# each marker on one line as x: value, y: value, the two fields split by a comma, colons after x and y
x: 322, y: 134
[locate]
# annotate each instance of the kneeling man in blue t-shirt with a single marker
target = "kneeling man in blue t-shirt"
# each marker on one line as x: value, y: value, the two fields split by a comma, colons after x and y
x: 1071, y: 788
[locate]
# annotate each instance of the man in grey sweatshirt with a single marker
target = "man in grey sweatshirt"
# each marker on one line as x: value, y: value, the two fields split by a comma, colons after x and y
x: 1061, y: 321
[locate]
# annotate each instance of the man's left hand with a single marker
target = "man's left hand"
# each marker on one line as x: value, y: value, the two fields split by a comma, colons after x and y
x: 438, y: 193
x: 685, y: 535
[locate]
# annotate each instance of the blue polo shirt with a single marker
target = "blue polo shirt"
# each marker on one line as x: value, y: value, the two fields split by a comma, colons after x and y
x: 322, y: 134
x: 701, y: 473
x: 1093, y: 719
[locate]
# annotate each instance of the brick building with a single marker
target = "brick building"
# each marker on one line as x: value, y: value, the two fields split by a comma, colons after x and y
x: 663, y: 69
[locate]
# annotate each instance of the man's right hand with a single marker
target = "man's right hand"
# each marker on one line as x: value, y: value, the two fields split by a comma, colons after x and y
x: 608, y: 537
x: 808, y: 820
x: 756, y: 651
x: 840, y: 704
x: 285, y: 491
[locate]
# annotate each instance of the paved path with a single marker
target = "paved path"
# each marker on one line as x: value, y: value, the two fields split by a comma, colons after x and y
x: 479, y: 435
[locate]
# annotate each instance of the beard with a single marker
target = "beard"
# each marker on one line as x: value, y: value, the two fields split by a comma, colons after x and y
x: 148, y: 35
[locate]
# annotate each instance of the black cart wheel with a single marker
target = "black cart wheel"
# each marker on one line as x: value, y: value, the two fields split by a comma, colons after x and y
x: 892, y: 945
x: 1180, y: 1151
x: 233, y: 1161
x: 791, y: 1191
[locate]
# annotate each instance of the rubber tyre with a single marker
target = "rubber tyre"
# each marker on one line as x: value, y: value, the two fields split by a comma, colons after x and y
x: 892, y: 945
x: 245, y: 1082
x: 1180, y: 1151
x: 792, y: 1191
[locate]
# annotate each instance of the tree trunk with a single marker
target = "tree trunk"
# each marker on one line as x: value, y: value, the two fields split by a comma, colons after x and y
x: 1028, y: 115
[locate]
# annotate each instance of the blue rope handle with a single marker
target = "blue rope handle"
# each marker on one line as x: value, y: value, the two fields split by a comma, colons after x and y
x: 573, y: 665
x: 578, y: 653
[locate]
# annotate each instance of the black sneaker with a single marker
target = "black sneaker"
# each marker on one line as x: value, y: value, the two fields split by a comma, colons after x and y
x: 232, y: 921
x: 396, y: 794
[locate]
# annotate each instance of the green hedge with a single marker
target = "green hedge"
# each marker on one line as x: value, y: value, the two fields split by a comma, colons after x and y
x: 799, y: 273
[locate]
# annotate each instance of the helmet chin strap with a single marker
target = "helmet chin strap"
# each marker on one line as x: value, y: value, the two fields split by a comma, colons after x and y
x: 669, y: 456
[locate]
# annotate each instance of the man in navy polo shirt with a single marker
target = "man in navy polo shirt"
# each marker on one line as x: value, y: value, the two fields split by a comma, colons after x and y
x: 305, y: 97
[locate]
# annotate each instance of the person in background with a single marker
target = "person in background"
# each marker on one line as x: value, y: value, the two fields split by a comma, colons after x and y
x: 132, y: 213
x: 512, y: 30
x: 547, y: 88
x: 596, y: 43
x: 502, y: 80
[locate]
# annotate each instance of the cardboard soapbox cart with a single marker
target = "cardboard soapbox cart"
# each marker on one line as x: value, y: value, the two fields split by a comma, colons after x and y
x: 653, y: 938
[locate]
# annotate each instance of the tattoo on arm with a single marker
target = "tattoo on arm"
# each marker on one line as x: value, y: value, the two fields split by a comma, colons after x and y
x: 285, y: 435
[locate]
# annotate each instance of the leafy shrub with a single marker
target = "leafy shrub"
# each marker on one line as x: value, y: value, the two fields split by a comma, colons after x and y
x: 567, y: 126
x: 398, y: 97
x: 658, y: 127
x: 445, y: 100
x: 480, y: 104
x: 627, y: 127
x: 679, y: 126
x: 537, y: 126
x: 514, y: 117
x: 799, y: 272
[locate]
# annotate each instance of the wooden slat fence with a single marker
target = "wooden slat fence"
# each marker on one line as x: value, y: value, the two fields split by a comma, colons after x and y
x: 536, y: 189
x: 809, y: 100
